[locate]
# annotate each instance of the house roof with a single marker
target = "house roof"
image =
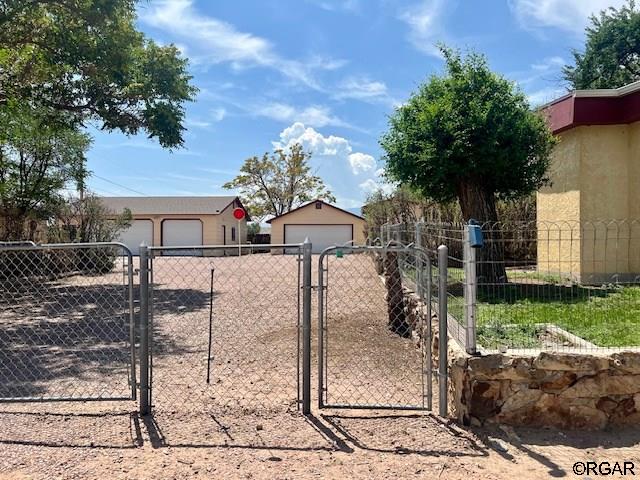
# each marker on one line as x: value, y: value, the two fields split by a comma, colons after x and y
x: 594, y: 107
x: 311, y: 203
x: 170, y: 205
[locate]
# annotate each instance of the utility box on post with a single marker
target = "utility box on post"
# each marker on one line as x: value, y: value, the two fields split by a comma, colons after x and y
x: 476, y: 239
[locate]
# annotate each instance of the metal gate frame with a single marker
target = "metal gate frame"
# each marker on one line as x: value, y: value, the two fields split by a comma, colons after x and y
x: 304, y: 326
x: 31, y: 246
x: 424, y: 291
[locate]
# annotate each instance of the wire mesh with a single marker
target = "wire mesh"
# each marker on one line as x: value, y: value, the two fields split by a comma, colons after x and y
x: 542, y: 285
x: 561, y: 286
x: 66, y: 323
x: 374, y: 348
x: 225, y: 330
x: 429, y: 236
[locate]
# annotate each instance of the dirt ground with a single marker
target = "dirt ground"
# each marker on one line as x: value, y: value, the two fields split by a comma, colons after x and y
x: 118, y: 444
x: 236, y: 416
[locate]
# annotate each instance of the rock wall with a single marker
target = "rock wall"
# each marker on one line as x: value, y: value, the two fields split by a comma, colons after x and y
x: 548, y: 389
x: 569, y: 391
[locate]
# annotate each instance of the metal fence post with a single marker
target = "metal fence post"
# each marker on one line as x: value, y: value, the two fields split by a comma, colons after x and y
x: 144, y: 330
x: 470, y: 292
x: 306, y: 327
x: 443, y: 260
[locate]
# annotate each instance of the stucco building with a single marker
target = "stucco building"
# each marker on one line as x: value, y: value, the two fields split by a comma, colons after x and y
x: 324, y: 224
x: 588, y: 216
x: 178, y: 221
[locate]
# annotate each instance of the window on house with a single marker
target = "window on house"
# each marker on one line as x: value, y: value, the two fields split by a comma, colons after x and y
x: 318, y: 205
x: 233, y: 234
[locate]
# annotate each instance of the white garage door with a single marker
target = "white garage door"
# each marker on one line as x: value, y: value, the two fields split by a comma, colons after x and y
x: 181, y: 232
x: 139, y: 231
x: 321, y: 236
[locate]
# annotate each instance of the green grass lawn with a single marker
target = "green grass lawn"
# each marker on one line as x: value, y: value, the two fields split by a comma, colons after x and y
x: 507, y: 314
x: 605, y: 316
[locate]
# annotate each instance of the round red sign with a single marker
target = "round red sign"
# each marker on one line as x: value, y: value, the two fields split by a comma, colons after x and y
x: 238, y: 213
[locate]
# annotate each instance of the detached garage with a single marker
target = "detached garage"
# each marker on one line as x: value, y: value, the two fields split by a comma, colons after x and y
x: 177, y: 221
x: 324, y: 224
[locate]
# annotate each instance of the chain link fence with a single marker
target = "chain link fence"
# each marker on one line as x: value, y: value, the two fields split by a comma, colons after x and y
x: 225, y: 331
x: 66, y: 322
x: 376, y: 328
x: 564, y: 286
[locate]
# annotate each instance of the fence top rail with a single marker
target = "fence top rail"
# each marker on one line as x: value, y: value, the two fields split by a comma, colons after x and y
x: 64, y: 246
x: 537, y: 224
x: 228, y: 246
x: 390, y: 247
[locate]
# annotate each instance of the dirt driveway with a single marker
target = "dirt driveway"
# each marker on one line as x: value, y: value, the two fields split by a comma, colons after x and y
x: 244, y: 422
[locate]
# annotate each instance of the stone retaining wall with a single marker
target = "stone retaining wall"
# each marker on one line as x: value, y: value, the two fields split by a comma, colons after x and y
x: 547, y: 389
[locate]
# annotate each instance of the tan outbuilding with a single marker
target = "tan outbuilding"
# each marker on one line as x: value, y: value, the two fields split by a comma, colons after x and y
x: 322, y: 223
x: 180, y: 221
x: 589, y: 216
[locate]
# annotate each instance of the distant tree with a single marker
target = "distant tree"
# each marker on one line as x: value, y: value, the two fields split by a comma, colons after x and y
x: 37, y: 162
x: 86, y: 59
x: 277, y: 183
x: 82, y: 220
x: 253, y: 229
x: 88, y: 220
x: 611, y: 57
x: 469, y: 135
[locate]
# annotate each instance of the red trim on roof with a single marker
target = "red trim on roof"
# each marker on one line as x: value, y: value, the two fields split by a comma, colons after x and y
x: 313, y: 202
x: 593, y: 108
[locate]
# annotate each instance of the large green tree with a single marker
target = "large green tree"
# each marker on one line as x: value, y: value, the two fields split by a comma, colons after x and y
x: 611, y: 57
x: 87, y: 59
x: 278, y: 182
x: 468, y: 135
x: 37, y: 162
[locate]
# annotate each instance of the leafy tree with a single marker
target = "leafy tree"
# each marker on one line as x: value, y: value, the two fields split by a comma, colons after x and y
x: 612, y: 52
x: 468, y: 135
x: 37, y: 161
x: 88, y: 220
x: 86, y: 58
x: 277, y: 183
x: 253, y: 229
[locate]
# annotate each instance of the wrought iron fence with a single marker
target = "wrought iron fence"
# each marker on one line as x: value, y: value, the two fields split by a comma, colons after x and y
x: 541, y: 285
x: 66, y: 322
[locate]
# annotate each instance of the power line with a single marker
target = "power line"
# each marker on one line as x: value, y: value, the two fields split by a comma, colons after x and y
x: 118, y: 184
x: 103, y: 191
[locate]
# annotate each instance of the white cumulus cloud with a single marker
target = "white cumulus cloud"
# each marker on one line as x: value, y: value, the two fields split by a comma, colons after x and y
x: 313, y: 141
x: 325, y: 146
x: 361, y: 162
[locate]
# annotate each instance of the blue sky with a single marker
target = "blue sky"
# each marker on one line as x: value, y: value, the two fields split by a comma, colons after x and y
x: 324, y: 73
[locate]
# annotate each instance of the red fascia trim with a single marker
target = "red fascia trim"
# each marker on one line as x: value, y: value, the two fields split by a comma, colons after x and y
x: 573, y: 111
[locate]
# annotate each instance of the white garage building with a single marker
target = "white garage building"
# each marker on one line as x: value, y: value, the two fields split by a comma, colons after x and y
x: 324, y: 224
x: 176, y: 221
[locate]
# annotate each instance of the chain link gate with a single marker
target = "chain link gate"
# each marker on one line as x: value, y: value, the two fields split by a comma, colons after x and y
x: 222, y: 331
x: 67, y: 329
x: 374, y: 351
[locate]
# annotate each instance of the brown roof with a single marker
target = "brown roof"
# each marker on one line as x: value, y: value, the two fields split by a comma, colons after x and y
x: 170, y: 205
x: 311, y: 203
x: 594, y: 107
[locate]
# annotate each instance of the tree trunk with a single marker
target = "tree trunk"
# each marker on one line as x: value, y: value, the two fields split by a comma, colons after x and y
x: 478, y: 204
x: 397, y: 320
x: 14, y: 223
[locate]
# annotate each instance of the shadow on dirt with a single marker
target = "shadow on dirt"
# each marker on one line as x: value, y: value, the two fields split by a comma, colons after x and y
x: 63, y: 340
